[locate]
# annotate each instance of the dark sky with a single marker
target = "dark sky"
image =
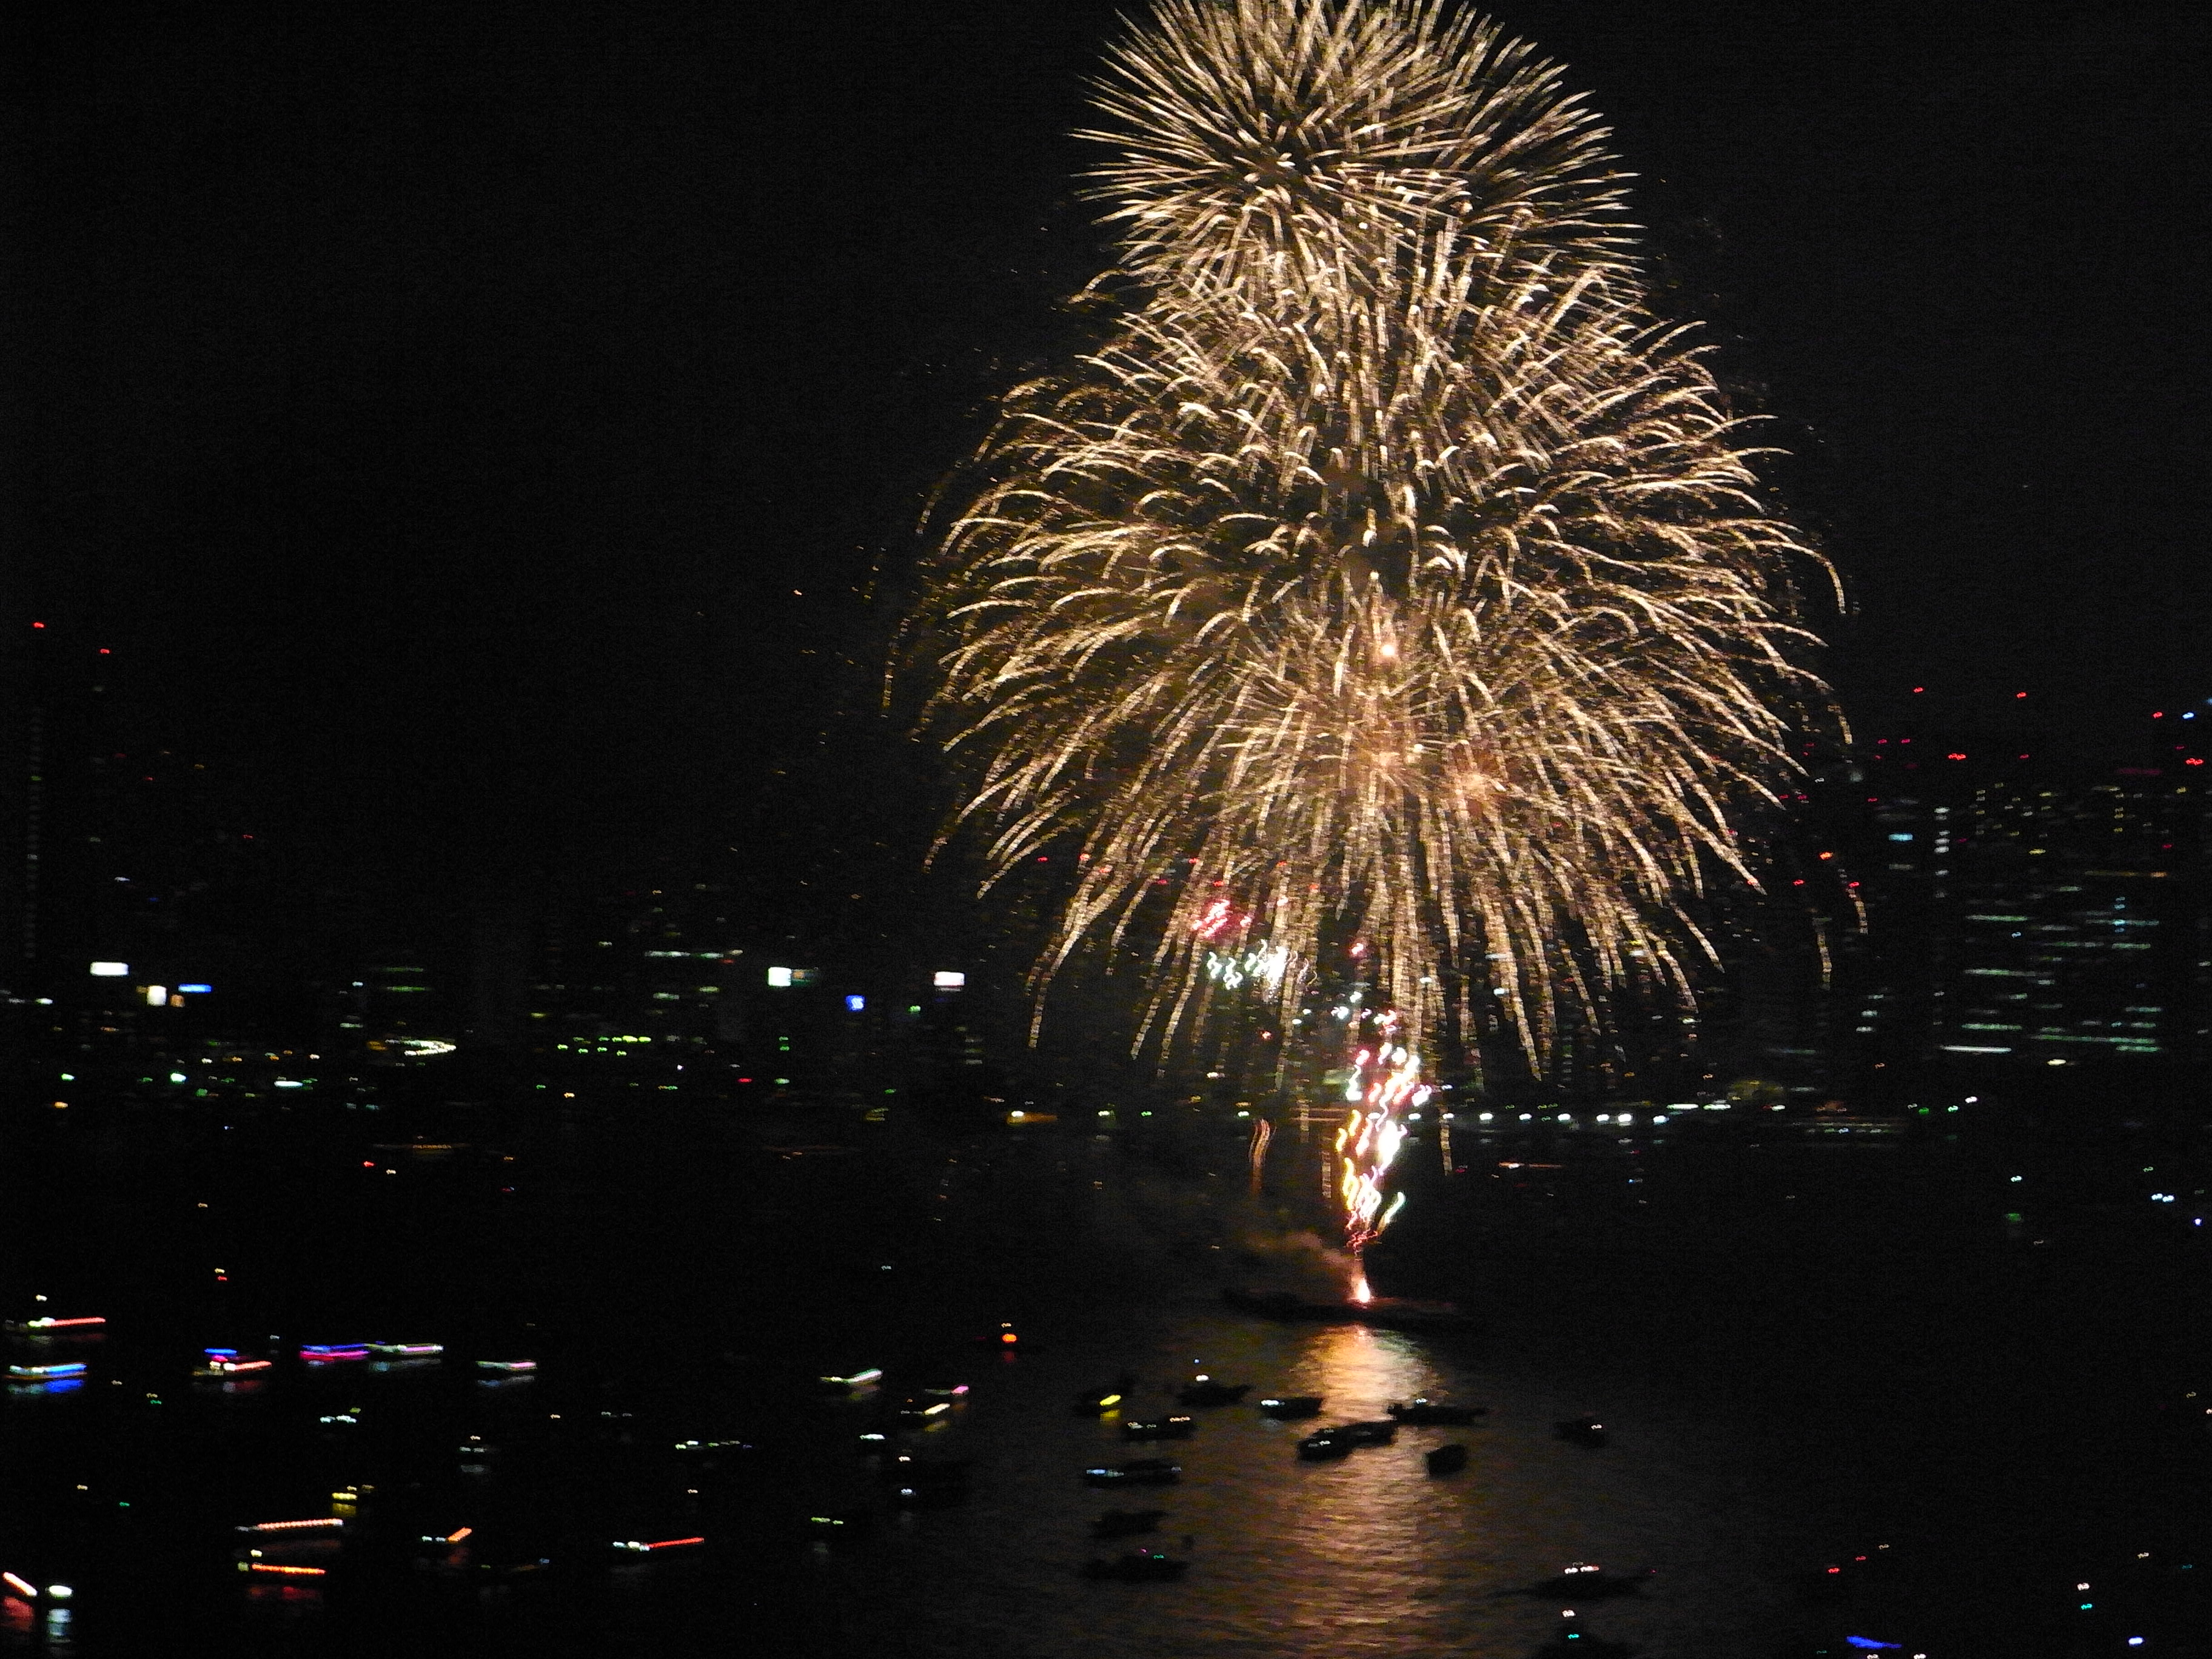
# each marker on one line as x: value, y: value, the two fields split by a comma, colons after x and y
x: 437, y: 409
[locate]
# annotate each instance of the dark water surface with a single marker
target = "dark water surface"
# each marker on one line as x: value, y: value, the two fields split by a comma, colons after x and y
x: 1804, y: 1353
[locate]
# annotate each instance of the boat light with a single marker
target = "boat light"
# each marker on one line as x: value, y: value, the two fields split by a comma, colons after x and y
x: 22, y: 1587
x: 76, y: 1367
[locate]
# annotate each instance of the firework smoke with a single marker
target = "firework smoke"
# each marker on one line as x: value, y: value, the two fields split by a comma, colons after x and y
x: 1391, y: 574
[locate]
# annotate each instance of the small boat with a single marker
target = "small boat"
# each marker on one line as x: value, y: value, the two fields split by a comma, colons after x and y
x: 1126, y: 1523
x: 1097, y: 1402
x: 1582, y: 1431
x: 1367, y: 1434
x: 325, y: 1353
x: 408, y: 1350
x: 1423, y: 1410
x: 1581, y: 1580
x: 906, y: 1470
x: 1143, y: 1472
x: 1446, y: 1459
x: 228, y: 1362
x: 1158, y: 1428
x: 1204, y: 1391
x: 511, y: 1367
x: 1139, y: 1567
x: 1289, y: 1407
x: 43, y: 1373
x: 1326, y: 1444
x: 1388, y: 1312
x: 921, y: 1409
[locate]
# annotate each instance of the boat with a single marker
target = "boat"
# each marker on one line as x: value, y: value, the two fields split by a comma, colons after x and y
x: 1158, y: 1428
x: 325, y: 1353
x: 1582, y: 1431
x: 1582, y: 1581
x: 920, y: 1409
x: 1367, y: 1434
x: 511, y: 1366
x: 1389, y: 1312
x: 1423, y: 1410
x: 1446, y: 1459
x: 1143, y: 1472
x: 1289, y: 1407
x: 408, y: 1350
x: 1204, y: 1391
x: 45, y: 1373
x: 1328, y: 1442
x: 1139, y: 1567
x: 926, y: 1483
x: 906, y: 1470
x: 228, y: 1362
x: 1126, y: 1523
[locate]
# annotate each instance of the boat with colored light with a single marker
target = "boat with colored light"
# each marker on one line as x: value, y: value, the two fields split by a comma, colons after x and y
x: 1142, y: 1472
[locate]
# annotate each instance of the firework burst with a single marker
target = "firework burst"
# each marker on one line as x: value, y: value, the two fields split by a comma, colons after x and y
x: 1391, y: 573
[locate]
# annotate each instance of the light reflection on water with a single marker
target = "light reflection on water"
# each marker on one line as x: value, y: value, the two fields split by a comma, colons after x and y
x: 1365, y: 1556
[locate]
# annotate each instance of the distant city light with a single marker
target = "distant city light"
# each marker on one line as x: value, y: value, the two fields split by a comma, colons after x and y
x: 856, y: 1005
x: 110, y: 971
x: 157, y: 996
x: 780, y: 977
x: 197, y: 990
x: 945, y: 979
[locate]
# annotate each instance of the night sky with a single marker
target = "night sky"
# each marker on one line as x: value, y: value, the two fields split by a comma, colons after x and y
x: 493, y: 434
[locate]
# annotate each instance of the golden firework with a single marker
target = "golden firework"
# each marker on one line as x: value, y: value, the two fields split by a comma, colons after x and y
x: 1391, y: 569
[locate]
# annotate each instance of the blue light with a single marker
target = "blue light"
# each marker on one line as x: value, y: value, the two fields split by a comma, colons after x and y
x: 855, y: 1005
x: 201, y: 990
x: 1868, y: 1642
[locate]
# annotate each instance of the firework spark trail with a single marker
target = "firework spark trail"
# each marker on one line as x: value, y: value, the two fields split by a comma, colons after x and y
x: 1391, y: 566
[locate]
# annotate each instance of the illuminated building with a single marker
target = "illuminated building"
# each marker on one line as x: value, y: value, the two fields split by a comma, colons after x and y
x: 2071, y: 920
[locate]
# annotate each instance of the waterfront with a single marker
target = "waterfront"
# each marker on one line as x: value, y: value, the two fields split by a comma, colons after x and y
x: 1804, y: 1353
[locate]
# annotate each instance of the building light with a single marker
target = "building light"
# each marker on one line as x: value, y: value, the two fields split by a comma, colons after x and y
x: 946, y: 979
x: 110, y: 971
x: 780, y: 977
